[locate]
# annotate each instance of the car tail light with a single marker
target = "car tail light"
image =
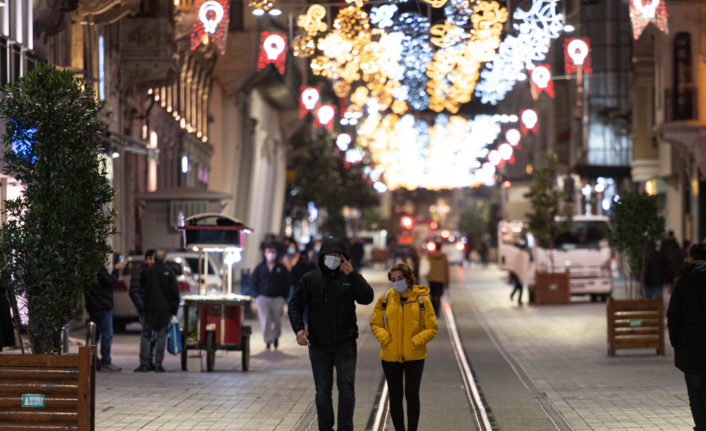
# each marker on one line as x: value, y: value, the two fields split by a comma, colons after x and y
x: 459, y: 246
x: 119, y: 287
x: 184, y: 287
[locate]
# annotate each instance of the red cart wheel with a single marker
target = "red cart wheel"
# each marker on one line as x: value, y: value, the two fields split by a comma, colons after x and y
x: 210, y: 350
x: 245, y: 340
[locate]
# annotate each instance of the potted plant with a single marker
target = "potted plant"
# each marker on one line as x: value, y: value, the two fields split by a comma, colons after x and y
x: 548, y: 205
x: 635, y: 228
x: 54, y: 241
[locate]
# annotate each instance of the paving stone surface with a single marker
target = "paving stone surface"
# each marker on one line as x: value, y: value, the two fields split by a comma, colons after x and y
x: 563, y: 351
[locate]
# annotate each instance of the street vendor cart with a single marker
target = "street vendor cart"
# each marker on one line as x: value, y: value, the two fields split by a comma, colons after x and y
x: 215, y: 321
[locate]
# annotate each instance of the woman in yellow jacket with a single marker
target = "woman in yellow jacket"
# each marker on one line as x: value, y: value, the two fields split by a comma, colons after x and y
x: 404, y: 322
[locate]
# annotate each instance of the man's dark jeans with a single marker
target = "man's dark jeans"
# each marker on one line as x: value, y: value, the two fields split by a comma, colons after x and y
x: 104, y: 332
x: 323, y: 360
x: 153, y: 328
x: 696, y: 387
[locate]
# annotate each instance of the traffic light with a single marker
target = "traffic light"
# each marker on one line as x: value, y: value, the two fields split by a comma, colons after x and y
x: 407, y: 222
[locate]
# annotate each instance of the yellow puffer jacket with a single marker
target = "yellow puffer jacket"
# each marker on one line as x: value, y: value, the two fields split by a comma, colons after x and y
x: 403, y: 339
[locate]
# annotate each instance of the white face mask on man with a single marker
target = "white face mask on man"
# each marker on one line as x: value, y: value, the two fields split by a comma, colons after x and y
x: 332, y: 262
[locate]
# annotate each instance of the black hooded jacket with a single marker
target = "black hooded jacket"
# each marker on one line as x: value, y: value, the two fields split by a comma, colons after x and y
x: 686, y: 319
x: 331, y: 297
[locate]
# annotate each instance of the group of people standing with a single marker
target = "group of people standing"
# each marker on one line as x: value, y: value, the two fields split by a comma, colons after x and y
x: 664, y: 265
x: 155, y: 293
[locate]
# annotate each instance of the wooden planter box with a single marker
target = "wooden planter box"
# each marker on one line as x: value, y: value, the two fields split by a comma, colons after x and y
x: 636, y: 324
x: 65, y: 385
x: 552, y: 288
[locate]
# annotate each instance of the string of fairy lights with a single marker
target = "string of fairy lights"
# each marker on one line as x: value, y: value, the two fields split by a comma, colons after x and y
x: 388, y: 64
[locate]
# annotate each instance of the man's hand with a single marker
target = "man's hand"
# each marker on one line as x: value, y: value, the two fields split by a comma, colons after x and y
x: 346, y: 265
x: 301, y: 338
x: 119, y: 265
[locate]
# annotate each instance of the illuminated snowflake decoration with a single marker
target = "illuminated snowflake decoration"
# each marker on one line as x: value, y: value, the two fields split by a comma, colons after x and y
x: 382, y: 15
x: 538, y: 26
x: 415, y: 56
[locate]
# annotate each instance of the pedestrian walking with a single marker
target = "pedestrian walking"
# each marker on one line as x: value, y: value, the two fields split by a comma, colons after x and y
x: 270, y: 288
x: 404, y: 322
x: 7, y: 328
x: 657, y: 273
x: 317, y: 252
x: 99, y: 304
x: 672, y: 253
x: 136, y: 297
x: 413, y: 261
x: 517, y: 288
x: 357, y: 253
x: 686, y: 320
x: 331, y: 293
x: 438, y: 276
x: 160, y: 299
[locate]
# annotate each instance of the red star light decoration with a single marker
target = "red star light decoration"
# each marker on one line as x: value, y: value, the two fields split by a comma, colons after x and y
x: 529, y: 121
x: 643, y: 12
x: 273, y: 50
x: 541, y: 81
x: 308, y: 99
x: 211, y: 25
x: 577, y: 53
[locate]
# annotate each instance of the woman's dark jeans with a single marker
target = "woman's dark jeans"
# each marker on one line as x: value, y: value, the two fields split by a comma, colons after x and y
x: 403, y: 381
x: 323, y: 360
x: 696, y: 388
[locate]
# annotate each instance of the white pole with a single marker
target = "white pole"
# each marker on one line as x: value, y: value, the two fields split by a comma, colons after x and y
x: 205, y: 272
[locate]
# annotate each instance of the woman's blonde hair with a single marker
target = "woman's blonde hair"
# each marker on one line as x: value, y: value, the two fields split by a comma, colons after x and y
x: 406, y: 273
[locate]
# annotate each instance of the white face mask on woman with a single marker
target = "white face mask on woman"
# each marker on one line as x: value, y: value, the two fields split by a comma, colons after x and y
x: 400, y: 286
x: 332, y: 262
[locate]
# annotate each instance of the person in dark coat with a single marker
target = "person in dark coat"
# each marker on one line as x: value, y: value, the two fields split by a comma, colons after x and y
x: 331, y: 293
x: 656, y: 273
x: 270, y: 288
x: 686, y: 320
x: 357, y: 253
x: 99, y: 304
x: 7, y: 329
x: 672, y: 253
x: 160, y: 296
x: 136, y: 296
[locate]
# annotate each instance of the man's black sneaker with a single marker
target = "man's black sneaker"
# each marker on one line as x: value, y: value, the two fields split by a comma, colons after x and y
x: 150, y: 366
x: 159, y: 369
x: 268, y: 346
x: 276, y: 343
x: 141, y: 369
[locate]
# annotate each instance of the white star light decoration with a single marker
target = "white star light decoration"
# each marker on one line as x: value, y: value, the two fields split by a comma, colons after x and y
x: 382, y: 15
x: 540, y: 24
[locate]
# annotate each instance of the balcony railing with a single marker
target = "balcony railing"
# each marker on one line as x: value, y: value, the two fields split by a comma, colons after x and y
x: 680, y: 105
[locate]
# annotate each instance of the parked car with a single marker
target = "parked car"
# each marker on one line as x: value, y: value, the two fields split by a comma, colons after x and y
x: 182, y: 263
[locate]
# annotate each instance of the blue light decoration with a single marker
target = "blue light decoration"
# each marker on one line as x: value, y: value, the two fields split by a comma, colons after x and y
x: 382, y: 15
x: 22, y: 147
x: 101, y: 68
x: 458, y: 12
x: 416, y: 55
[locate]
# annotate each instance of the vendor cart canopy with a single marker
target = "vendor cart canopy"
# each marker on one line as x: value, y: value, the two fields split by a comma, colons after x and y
x: 211, y: 230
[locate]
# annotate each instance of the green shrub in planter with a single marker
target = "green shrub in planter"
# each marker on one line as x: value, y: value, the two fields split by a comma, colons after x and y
x: 54, y: 241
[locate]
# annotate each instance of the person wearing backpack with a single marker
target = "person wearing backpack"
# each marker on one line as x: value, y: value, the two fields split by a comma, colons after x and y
x: 404, y: 322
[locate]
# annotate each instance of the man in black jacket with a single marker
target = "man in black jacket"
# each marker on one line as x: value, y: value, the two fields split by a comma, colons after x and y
x: 270, y: 286
x: 136, y: 296
x: 99, y: 304
x: 160, y: 296
x: 330, y: 294
x: 686, y: 319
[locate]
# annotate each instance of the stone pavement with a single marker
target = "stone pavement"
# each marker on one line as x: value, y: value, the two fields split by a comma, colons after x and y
x: 276, y: 394
x: 562, y: 352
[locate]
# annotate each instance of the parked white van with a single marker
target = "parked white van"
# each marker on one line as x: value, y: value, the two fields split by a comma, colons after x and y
x: 583, y: 250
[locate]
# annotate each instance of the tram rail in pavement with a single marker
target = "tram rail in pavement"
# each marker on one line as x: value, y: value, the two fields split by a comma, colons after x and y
x: 478, y: 409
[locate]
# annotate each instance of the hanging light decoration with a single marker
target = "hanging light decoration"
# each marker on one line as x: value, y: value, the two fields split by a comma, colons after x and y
x: 643, y: 12
x: 577, y: 52
x: 536, y: 28
x: 542, y: 81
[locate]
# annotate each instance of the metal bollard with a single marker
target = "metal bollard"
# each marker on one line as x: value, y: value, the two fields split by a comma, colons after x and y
x: 90, y: 334
x: 65, y: 343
